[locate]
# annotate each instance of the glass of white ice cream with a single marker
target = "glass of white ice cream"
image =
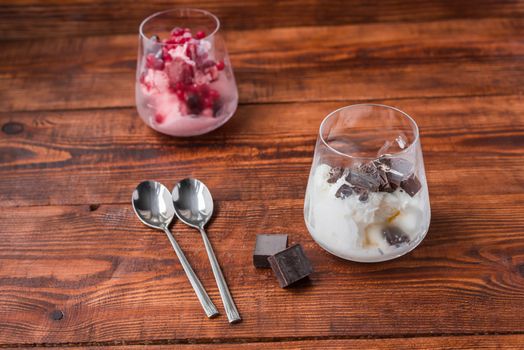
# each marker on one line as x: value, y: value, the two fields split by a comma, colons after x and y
x: 367, y: 198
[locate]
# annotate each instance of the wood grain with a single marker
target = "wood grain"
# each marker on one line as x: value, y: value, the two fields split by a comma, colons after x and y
x: 93, y: 157
x: 80, y: 17
x: 77, y: 269
x: 114, y: 279
x: 358, y: 62
x: 475, y: 342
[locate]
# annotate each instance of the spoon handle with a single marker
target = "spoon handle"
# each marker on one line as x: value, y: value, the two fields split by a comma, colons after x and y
x: 205, y: 301
x: 231, y: 309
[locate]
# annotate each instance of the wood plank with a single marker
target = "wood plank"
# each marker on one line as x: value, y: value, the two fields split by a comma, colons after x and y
x: 358, y: 62
x: 98, y: 157
x: 474, y: 342
x: 25, y: 19
x: 116, y: 280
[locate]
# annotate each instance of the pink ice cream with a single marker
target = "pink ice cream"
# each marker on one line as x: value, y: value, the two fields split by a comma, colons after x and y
x: 183, y: 90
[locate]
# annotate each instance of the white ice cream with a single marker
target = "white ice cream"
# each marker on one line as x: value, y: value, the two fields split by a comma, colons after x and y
x: 353, y: 229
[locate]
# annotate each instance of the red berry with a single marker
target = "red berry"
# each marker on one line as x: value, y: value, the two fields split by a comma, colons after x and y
x: 165, y: 54
x: 154, y: 63
x: 221, y: 65
x: 200, y: 35
x: 177, y: 31
x: 159, y: 118
x: 180, y: 94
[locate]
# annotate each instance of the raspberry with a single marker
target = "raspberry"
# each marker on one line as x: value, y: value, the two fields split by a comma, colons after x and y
x: 159, y: 118
x: 221, y: 65
x: 200, y: 35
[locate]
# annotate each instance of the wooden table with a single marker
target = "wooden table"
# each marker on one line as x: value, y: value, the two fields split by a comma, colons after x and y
x: 78, y: 270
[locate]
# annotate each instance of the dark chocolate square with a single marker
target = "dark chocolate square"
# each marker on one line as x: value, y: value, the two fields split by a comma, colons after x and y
x: 411, y: 185
x: 290, y: 265
x: 267, y: 245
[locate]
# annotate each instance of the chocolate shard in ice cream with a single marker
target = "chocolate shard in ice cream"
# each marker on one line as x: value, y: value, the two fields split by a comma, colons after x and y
x: 396, y: 169
x: 362, y: 193
x: 395, y: 236
x: 344, y: 191
x: 335, y: 174
x: 366, y: 176
x: 411, y: 185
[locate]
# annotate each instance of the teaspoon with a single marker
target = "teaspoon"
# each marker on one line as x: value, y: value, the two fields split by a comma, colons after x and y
x: 153, y: 206
x: 194, y: 206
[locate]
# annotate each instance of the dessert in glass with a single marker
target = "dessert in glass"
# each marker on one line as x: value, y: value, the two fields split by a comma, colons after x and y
x: 367, y: 198
x: 184, y: 83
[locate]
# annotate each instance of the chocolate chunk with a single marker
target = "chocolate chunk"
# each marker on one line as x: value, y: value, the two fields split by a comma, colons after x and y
x: 388, y: 187
x: 335, y: 174
x: 364, y: 196
x: 290, y: 265
x: 395, y: 236
x: 384, y: 184
x: 362, y: 193
x: 344, y: 191
x: 399, y: 169
x: 365, y: 177
x: 267, y: 245
x: 411, y: 185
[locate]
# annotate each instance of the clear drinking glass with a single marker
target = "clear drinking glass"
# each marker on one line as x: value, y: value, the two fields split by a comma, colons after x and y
x: 184, y: 82
x: 367, y: 198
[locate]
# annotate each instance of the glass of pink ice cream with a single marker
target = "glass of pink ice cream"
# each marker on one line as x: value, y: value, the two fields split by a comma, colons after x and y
x: 184, y: 84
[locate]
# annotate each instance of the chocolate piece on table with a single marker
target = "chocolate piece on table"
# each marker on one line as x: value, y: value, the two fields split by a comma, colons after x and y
x: 267, y: 245
x: 395, y: 236
x: 290, y: 265
x: 335, y: 174
x: 411, y: 185
x: 344, y: 191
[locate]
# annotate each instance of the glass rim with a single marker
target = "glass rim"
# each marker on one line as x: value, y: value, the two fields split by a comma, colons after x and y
x: 178, y: 9
x: 404, y: 114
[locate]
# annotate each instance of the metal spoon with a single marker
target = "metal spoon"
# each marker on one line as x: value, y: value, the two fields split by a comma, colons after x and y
x: 194, y: 207
x: 153, y: 206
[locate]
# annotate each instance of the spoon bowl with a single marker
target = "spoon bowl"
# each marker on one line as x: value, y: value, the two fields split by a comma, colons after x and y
x: 193, y: 203
x: 153, y: 205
